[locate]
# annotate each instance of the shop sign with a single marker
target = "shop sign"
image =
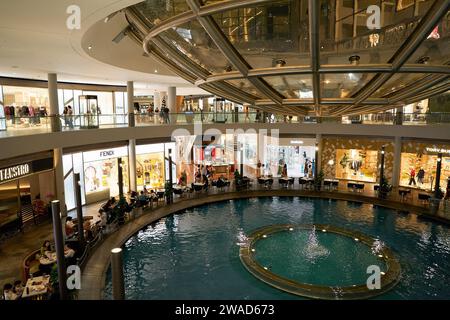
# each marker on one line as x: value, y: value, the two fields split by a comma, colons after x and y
x: 438, y: 150
x: 14, y: 172
x: 105, y: 154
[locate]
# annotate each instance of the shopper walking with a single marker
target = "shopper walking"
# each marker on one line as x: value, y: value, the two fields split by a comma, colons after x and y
x: 412, y: 177
x: 420, y: 176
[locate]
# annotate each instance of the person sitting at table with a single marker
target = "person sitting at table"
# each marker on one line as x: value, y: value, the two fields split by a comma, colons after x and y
x: 69, y: 254
x: 198, y: 176
x: 88, y: 235
x: 38, y: 205
x: 46, y: 247
x: 146, y: 191
x: 8, y: 293
x: 142, y: 199
x: 69, y: 227
x: 205, y: 181
x: 18, y: 288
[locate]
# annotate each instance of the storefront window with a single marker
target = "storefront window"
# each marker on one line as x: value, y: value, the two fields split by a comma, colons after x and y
x: 299, y: 160
x: 100, y: 169
x: 2, y: 111
x: 150, y: 166
x: 356, y: 164
x: 419, y: 170
x: 21, y: 103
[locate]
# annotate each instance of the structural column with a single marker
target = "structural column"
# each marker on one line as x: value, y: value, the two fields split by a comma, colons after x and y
x: 157, y: 100
x: 53, y: 100
x: 318, y: 160
x: 172, y: 99
x: 132, y: 163
x: 130, y: 100
x: 59, y: 180
x: 397, y: 162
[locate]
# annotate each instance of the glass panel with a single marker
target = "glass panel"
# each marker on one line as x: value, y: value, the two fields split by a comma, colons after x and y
x: 436, y: 48
x: 245, y: 85
x: 398, y: 81
x: 193, y: 41
x: 156, y: 11
x: 61, y: 101
x: 343, y: 85
x: 265, y: 33
x: 119, y: 98
x: 293, y: 86
x: 348, y: 28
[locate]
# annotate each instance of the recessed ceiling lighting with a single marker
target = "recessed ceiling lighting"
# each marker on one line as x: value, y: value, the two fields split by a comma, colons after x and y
x: 90, y: 48
x: 327, y: 81
x: 156, y: 71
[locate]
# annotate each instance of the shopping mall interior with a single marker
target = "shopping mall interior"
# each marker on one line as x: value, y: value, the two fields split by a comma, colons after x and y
x: 225, y: 150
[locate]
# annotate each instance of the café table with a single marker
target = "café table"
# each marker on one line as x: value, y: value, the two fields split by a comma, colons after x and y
x: 199, y: 186
x: 36, y: 287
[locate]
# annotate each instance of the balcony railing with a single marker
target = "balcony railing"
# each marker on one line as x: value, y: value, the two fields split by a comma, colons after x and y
x: 12, y: 126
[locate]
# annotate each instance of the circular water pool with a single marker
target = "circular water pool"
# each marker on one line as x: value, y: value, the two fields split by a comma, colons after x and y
x: 195, y: 254
x: 320, y: 261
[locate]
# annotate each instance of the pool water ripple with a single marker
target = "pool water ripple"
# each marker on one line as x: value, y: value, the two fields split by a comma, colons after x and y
x: 194, y: 255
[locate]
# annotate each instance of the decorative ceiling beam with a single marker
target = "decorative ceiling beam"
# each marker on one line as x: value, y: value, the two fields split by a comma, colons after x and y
x: 426, y: 25
x: 231, y: 53
x: 206, y: 10
x: 416, y: 87
x: 314, y: 46
x: 326, y: 69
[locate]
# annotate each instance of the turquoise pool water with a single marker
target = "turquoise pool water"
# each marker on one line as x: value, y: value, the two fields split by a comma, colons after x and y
x: 194, y: 255
x: 335, y: 261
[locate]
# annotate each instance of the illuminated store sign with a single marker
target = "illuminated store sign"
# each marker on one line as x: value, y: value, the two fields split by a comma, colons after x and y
x: 14, y: 172
x: 438, y: 150
x: 105, y: 154
x: 25, y: 169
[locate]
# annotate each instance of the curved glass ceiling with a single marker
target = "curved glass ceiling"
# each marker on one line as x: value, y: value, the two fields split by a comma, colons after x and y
x: 326, y: 57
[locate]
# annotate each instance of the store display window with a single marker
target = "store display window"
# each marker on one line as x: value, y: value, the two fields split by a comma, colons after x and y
x: 419, y: 170
x: 150, y: 166
x: 101, y: 173
x: 356, y: 164
x: 299, y: 160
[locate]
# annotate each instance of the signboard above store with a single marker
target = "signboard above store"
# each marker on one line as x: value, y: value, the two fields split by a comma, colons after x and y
x: 438, y: 150
x: 14, y: 172
x: 24, y: 169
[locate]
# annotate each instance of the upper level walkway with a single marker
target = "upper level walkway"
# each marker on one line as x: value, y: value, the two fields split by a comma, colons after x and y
x: 25, y: 137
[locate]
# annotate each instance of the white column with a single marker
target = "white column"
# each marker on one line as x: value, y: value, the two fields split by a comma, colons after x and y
x: 172, y: 98
x: 132, y: 163
x: 59, y: 179
x: 157, y: 100
x: 319, y: 153
x: 397, y: 162
x: 53, y: 100
x: 130, y: 100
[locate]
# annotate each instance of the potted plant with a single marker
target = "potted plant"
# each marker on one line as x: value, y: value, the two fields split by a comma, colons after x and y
x: 318, y: 181
x: 384, y: 189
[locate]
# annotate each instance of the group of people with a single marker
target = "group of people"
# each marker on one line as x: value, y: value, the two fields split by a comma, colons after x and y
x: 72, y: 229
x: 68, y: 116
x: 412, y: 176
x: 13, y: 291
x: 163, y: 112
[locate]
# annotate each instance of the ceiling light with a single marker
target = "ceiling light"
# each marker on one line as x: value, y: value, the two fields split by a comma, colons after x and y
x: 280, y: 63
x: 110, y: 16
x: 297, y: 142
x: 90, y: 48
x: 354, y: 59
x: 327, y: 81
x: 156, y: 71
x: 423, y: 60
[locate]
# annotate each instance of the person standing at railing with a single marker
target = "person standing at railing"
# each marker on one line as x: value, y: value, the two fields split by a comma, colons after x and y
x: 70, y: 116
x: 65, y: 116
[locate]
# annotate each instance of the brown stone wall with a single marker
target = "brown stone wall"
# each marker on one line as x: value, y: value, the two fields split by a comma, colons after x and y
x: 331, y: 144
